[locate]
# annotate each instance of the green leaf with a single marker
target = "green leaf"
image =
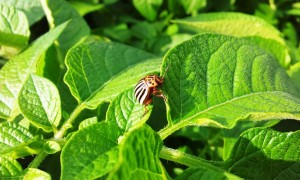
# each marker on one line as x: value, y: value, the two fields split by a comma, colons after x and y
x: 294, y: 73
x: 84, y: 8
x: 191, y: 6
x: 99, y: 71
x: 15, y: 72
x: 241, y: 25
x: 60, y: 11
x: 148, y: 8
x: 33, y: 9
x: 91, y: 152
x: 52, y: 67
x: 39, y: 102
x: 126, y: 113
x: 143, y: 30
x: 32, y: 173
x: 161, y: 44
x: 9, y: 167
x: 139, y: 156
x: 51, y: 147
x: 268, y: 153
x: 14, y: 28
x: 15, y: 140
x: 205, y: 173
x: 231, y: 135
x: 87, y: 122
x: 217, y: 80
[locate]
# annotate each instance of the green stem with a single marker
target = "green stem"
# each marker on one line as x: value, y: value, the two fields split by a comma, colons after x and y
x: 68, y: 124
x: 57, y: 136
x: 37, y: 160
x: 165, y: 132
x: 272, y: 4
x: 187, y: 159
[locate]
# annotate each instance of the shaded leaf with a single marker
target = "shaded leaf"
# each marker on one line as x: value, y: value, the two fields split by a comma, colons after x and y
x: 231, y: 135
x: 205, y: 173
x: 268, y: 153
x: 60, y: 11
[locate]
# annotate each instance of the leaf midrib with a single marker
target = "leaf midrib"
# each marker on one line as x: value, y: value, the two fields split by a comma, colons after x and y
x: 184, y: 122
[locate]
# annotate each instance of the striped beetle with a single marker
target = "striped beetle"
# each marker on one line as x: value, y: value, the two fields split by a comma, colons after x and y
x: 147, y: 87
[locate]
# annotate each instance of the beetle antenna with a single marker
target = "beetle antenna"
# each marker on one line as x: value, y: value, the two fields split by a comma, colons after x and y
x: 165, y: 71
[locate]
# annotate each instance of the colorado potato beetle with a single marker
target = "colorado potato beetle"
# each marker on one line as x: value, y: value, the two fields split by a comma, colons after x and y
x: 147, y: 87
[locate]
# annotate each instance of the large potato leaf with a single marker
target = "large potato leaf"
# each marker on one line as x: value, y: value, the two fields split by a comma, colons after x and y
x: 99, y: 71
x: 217, y: 80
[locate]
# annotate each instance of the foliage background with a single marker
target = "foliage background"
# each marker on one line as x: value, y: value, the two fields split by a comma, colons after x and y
x: 140, y: 37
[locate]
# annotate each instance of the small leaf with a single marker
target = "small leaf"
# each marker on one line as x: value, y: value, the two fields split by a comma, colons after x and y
x: 40, y: 103
x: 9, y: 167
x: 84, y: 8
x: 241, y: 25
x: 268, y: 153
x: 15, y: 72
x: 217, y: 80
x: 87, y: 122
x: 33, y: 8
x: 126, y: 113
x: 14, y: 28
x: 60, y: 11
x: 91, y: 152
x: 139, y: 156
x: 191, y: 6
x: 15, y: 140
x: 205, y: 173
x: 99, y: 71
x: 32, y: 173
x: 148, y: 8
x: 51, y: 147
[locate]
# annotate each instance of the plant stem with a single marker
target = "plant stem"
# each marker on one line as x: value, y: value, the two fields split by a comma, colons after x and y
x: 165, y: 132
x: 187, y: 159
x: 68, y: 124
x: 37, y: 160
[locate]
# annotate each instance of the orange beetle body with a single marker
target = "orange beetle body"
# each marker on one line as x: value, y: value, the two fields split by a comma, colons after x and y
x: 147, y: 87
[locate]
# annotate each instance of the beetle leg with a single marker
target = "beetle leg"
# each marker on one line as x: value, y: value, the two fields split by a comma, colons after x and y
x: 146, y: 102
x: 158, y: 93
